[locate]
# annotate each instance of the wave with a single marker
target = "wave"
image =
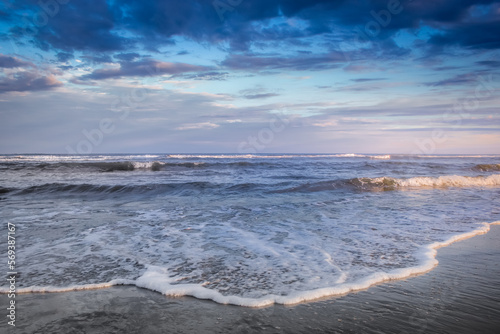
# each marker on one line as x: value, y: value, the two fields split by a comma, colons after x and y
x: 4, y: 190
x: 75, y: 157
x: 355, y: 184
x: 276, y: 156
x: 389, y: 183
x: 158, y: 279
x: 444, y: 156
x: 120, y: 189
x: 487, y: 167
x: 104, y: 166
x: 180, y: 188
x: 128, y: 166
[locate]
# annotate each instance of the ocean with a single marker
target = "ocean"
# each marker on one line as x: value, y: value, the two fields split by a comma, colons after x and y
x: 249, y: 230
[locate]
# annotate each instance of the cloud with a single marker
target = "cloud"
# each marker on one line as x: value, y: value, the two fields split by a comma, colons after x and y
x: 77, y: 81
x: 97, y: 58
x: 110, y: 26
x: 326, y: 124
x: 131, y: 56
x: 64, y: 56
x: 27, y: 81
x: 460, y: 79
x: 260, y: 96
x: 252, y: 62
x: 367, y: 79
x: 475, y: 35
x: 211, y: 76
x: 23, y: 76
x: 489, y: 63
x: 13, y: 62
x: 83, y: 25
x: 142, y: 68
x: 193, y: 126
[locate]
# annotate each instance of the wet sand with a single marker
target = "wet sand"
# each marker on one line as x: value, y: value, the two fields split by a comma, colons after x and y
x: 461, y: 295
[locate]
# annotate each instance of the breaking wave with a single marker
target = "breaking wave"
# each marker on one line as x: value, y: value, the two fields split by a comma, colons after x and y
x: 487, y: 167
x: 389, y: 183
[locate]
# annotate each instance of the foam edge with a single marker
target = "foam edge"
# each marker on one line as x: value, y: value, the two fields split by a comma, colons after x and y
x: 157, y: 279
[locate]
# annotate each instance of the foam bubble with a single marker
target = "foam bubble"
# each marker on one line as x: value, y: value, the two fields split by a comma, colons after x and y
x: 159, y: 279
x: 449, y: 181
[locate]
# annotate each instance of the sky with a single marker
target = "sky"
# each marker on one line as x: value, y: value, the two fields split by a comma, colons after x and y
x: 250, y: 76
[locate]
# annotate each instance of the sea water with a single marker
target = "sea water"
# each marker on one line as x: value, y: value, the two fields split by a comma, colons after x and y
x: 248, y: 230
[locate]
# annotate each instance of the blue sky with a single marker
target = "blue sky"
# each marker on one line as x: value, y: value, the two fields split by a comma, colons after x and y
x: 241, y: 76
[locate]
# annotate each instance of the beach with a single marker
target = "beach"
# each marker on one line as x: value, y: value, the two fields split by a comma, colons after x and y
x: 460, y: 295
x: 250, y: 166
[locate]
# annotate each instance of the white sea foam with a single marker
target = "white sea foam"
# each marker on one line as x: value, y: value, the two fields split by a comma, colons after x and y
x: 447, y: 181
x: 159, y: 279
x: 444, y: 156
x: 49, y: 289
x: 73, y: 158
x: 146, y: 164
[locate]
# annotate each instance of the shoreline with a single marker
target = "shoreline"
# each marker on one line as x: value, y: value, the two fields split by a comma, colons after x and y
x: 427, y: 254
x: 461, y: 294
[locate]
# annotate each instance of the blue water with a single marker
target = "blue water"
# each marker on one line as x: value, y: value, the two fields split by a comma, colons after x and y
x: 249, y: 230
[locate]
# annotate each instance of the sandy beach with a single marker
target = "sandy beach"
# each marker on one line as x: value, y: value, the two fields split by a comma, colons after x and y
x: 461, y: 295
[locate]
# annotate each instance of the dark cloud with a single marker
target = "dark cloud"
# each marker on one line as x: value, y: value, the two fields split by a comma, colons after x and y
x: 477, y: 35
x: 489, y: 63
x: 65, y: 67
x: 13, y: 62
x: 445, y: 68
x: 4, y: 15
x: 257, y: 62
x: 64, y: 56
x: 110, y: 26
x: 142, y: 68
x: 131, y: 56
x: 27, y: 81
x: 260, y: 96
x: 367, y: 79
x: 460, y: 79
x: 97, y: 58
x: 84, y: 25
x: 386, y: 50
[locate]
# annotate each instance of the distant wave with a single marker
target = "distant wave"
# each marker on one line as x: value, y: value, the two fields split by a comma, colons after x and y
x: 127, y: 166
x: 283, y: 156
x: 101, y: 166
x: 75, y: 157
x: 389, y: 183
x: 105, y: 166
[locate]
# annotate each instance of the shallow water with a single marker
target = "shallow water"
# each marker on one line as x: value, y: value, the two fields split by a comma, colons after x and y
x: 461, y: 295
x: 246, y: 230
